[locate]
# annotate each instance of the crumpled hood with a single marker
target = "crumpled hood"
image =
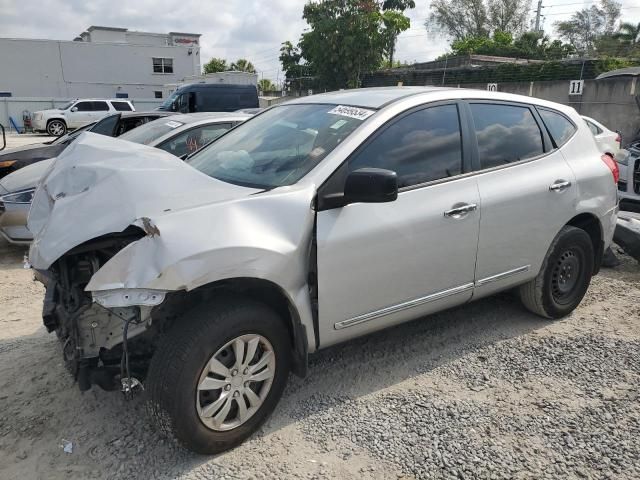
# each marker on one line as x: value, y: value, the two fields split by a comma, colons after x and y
x: 101, y: 185
x: 27, y: 177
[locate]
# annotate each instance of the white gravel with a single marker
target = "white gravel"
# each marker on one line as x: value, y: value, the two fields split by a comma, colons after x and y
x: 482, y: 391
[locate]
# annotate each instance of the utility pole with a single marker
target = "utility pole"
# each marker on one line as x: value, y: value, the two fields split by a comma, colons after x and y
x: 538, y: 12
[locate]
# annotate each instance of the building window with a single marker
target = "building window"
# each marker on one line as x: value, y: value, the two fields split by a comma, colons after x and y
x: 158, y: 94
x: 162, y: 65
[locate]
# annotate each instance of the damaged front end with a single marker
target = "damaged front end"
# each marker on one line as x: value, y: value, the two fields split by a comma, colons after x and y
x: 127, y: 238
x: 94, y: 329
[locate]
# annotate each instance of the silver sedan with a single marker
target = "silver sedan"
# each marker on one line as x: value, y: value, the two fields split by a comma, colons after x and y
x: 180, y: 135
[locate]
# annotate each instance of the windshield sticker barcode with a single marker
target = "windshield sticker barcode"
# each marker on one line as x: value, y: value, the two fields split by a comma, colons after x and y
x: 352, y: 112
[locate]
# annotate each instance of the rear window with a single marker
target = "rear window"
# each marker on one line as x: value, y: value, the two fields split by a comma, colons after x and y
x: 505, y: 134
x: 151, y: 131
x: 121, y: 106
x: 559, y: 126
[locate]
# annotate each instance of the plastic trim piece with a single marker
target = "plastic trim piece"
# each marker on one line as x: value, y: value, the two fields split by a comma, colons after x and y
x: 403, y: 306
x: 128, y: 297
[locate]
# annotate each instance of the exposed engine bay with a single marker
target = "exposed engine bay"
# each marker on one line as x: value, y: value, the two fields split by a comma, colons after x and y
x: 94, y: 338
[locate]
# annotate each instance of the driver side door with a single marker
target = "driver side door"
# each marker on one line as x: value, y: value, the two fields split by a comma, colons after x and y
x: 384, y: 263
x: 79, y: 114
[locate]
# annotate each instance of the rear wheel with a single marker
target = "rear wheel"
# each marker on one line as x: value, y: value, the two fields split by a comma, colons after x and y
x: 564, y: 277
x: 218, y: 374
x: 56, y: 128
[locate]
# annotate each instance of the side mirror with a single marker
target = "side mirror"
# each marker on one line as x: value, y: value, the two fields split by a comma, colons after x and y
x: 74, y: 109
x: 371, y: 185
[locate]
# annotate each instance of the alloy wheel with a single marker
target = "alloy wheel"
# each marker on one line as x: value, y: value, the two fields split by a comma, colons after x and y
x: 235, y: 382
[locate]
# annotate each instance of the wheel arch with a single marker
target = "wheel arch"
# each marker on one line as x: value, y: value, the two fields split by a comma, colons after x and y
x: 592, y: 226
x: 264, y: 291
x: 61, y: 119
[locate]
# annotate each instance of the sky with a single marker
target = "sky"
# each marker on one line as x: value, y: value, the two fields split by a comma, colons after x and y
x: 232, y: 29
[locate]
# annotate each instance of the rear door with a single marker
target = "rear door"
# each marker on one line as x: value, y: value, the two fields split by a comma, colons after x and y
x: 100, y: 109
x: 384, y: 263
x: 527, y: 193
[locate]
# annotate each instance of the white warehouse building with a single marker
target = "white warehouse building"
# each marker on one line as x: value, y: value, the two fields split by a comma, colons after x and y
x: 102, y: 62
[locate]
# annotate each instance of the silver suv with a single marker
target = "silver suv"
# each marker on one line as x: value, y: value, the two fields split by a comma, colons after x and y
x: 312, y: 223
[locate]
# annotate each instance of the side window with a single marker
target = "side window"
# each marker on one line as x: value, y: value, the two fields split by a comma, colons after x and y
x: 121, y: 106
x: 83, y: 107
x: 505, y: 134
x: 559, y: 127
x: 593, y: 127
x: 100, y: 106
x: 420, y: 147
x: 107, y: 125
x: 194, y: 139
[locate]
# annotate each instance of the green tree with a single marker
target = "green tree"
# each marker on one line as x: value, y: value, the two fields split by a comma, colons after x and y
x: 215, y: 65
x: 266, y: 85
x: 460, y: 19
x: 243, y: 65
x: 628, y: 33
x: 394, y: 23
x: 347, y: 38
x: 532, y: 45
x: 590, y: 26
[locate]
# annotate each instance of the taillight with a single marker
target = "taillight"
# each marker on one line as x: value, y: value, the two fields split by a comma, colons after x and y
x: 613, y: 166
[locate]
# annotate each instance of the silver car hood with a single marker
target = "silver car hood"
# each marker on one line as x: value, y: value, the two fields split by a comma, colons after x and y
x: 26, y: 177
x: 198, y: 229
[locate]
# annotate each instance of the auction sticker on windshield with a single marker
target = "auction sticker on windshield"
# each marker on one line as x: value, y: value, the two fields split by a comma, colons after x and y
x: 173, y: 124
x: 352, y: 112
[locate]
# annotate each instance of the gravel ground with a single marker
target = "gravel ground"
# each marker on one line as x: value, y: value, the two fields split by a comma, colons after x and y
x: 482, y: 391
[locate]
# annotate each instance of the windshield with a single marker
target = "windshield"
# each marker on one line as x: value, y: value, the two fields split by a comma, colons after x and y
x: 149, y: 132
x: 166, y: 105
x: 280, y: 146
x: 67, y: 105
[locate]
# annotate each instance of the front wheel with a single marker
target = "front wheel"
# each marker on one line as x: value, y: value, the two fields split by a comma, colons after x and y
x: 56, y: 128
x: 564, y: 277
x: 218, y: 374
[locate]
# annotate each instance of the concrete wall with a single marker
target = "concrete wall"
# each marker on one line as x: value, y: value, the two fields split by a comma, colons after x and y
x: 49, y: 68
x: 14, y: 106
x: 613, y: 102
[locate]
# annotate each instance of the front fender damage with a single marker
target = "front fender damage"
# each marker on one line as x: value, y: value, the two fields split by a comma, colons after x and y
x: 118, y: 226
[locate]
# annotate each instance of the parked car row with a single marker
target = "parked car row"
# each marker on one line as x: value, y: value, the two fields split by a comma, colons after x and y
x: 191, y: 98
x: 179, y: 135
x: 209, y: 280
x: 629, y: 184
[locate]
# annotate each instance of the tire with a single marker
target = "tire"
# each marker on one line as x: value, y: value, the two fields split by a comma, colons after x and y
x: 56, y: 128
x: 557, y: 291
x: 178, y: 368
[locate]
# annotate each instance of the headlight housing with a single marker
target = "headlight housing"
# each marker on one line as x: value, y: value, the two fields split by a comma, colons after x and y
x: 23, y: 196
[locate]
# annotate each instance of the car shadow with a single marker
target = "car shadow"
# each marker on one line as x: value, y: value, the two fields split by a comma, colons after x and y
x: 104, y: 424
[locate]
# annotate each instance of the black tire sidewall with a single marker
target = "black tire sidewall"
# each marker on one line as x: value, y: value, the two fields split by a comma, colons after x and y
x: 579, y: 241
x: 254, y: 318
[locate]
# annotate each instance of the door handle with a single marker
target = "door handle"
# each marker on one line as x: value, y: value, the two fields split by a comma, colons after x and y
x: 460, y: 211
x: 559, y: 186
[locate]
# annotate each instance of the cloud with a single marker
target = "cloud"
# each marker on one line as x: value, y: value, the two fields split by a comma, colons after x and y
x: 231, y: 29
